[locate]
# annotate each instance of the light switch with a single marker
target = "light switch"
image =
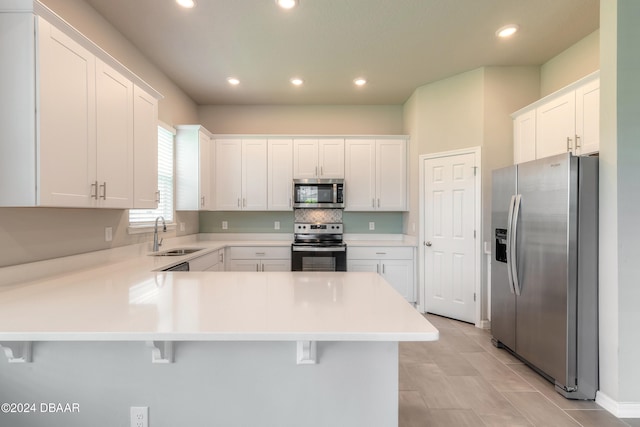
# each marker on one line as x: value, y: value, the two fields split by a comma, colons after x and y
x: 372, y: 225
x: 225, y: 225
x: 108, y: 234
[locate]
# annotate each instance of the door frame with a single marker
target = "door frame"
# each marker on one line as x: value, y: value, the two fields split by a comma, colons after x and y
x: 422, y: 306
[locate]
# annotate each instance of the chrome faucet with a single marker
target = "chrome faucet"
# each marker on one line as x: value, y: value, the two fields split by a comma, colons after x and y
x: 156, y: 243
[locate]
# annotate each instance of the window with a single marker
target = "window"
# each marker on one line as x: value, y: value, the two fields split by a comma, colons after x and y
x: 141, y: 217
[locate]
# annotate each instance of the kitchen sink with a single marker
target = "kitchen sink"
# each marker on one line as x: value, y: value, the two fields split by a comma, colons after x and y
x: 177, y: 252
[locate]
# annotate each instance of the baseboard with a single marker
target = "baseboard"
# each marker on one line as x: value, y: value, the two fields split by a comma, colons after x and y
x: 619, y: 409
x: 484, y: 324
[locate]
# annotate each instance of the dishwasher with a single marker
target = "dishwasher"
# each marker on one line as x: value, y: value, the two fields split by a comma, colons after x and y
x: 183, y: 266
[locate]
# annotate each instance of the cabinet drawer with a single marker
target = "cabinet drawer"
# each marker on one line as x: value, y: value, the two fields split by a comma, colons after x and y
x: 259, y: 252
x: 379, y: 252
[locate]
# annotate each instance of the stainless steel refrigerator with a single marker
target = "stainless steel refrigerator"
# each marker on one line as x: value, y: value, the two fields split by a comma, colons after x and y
x: 544, y: 268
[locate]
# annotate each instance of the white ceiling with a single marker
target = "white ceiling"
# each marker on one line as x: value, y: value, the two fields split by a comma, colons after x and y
x: 398, y: 45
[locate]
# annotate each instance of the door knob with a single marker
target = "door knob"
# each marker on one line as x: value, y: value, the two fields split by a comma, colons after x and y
x: 427, y: 243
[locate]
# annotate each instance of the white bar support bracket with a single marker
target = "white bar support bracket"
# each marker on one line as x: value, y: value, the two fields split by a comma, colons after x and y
x: 17, y: 351
x: 161, y: 351
x: 306, y: 353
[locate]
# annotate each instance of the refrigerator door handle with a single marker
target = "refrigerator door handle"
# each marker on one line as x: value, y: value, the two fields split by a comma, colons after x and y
x: 514, y: 237
x: 509, y: 234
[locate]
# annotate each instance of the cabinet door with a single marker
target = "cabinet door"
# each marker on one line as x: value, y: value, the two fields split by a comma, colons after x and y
x: 524, y: 137
x: 588, y: 118
x: 280, y: 174
x: 228, y: 172
x: 331, y: 158
x: 67, y: 136
x: 305, y: 158
x: 114, y: 132
x: 205, y: 183
x: 276, y: 265
x: 391, y: 175
x: 399, y: 273
x: 242, y: 265
x: 555, y: 126
x: 360, y: 164
x: 145, y: 150
x: 363, y: 265
x: 254, y: 174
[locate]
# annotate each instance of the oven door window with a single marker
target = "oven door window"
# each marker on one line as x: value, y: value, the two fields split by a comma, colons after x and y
x: 318, y: 263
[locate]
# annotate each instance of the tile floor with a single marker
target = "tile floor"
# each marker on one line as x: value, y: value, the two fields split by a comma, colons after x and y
x: 463, y: 380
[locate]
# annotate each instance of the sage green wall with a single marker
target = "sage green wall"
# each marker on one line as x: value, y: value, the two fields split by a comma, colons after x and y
x: 570, y: 65
x: 263, y: 222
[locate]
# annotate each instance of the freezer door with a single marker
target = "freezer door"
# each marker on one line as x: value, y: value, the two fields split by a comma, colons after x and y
x: 546, y: 264
x: 503, y: 302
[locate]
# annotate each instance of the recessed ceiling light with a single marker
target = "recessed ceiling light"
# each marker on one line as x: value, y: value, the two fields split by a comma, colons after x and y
x: 507, y: 30
x: 233, y: 81
x: 287, y: 4
x: 186, y: 3
x: 296, y: 81
x: 360, y: 81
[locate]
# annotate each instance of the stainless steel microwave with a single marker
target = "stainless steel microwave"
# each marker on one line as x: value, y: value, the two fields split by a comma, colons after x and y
x: 318, y: 193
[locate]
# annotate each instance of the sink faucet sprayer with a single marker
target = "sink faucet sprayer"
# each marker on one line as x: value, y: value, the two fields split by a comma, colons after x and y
x: 156, y: 243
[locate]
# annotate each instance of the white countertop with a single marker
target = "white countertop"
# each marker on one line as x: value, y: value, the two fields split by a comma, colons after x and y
x: 126, y: 300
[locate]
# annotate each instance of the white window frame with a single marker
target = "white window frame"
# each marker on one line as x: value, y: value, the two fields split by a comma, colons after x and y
x: 136, y: 227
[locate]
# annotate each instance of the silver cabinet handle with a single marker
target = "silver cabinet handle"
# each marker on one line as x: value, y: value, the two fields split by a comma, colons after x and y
x: 94, y: 190
x: 316, y: 172
x: 321, y: 172
x: 262, y: 267
x: 158, y: 196
x: 378, y: 202
x: 104, y: 191
x: 578, y: 144
x: 382, y: 268
x: 260, y: 253
x: 238, y: 202
x: 258, y: 267
x: 378, y: 268
x: 427, y: 243
x: 202, y: 201
x: 381, y: 253
x: 568, y: 143
x: 373, y: 203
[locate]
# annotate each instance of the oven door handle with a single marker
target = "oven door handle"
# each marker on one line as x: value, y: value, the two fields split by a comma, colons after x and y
x: 318, y: 249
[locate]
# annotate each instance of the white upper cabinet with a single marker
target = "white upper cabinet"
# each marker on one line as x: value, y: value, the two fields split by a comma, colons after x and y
x: 71, y: 107
x: 565, y: 121
x: 524, y: 130
x: 280, y: 174
x: 194, y: 157
x: 114, y: 134
x: 375, y: 175
x: 145, y: 155
x: 241, y: 174
x: 318, y: 158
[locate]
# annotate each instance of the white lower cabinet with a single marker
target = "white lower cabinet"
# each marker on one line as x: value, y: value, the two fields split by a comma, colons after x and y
x: 213, y: 261
x: 258, y: 258
x: 395, y: 264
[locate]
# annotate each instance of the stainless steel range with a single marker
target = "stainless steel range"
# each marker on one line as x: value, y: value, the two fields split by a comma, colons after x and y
x: 318, y: 247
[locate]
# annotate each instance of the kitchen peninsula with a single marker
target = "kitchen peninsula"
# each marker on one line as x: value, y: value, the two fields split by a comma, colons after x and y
x: 230, y: 348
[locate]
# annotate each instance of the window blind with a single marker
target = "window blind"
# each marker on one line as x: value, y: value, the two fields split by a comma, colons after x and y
x: 165, y: 183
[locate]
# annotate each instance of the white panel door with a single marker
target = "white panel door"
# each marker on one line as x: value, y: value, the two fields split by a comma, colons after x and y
x: 206, y: 181
x: 305, y: 158
x: 114, y: 133
x: 280, y: 174
x: 524, y: 137
x: 254, y: 174
x: 556, y: 126
x: 391, y: 180
x: 450, y: 250
x: 145, y: 150
x: 360, y: 175
x: 331, y: 158
x: 67, y: 120
x: 228, y: 171
x: 588, y: 118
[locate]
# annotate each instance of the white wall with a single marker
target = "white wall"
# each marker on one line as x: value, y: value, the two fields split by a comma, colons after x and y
x: 42, y: 233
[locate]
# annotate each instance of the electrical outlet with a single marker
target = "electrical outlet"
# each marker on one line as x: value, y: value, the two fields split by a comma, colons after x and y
x: 372, y: 225
x: 139, y: 416
x: 276, y: 225
x: 225, y: 225
x: 182, y: 226
x: 108, y: 234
